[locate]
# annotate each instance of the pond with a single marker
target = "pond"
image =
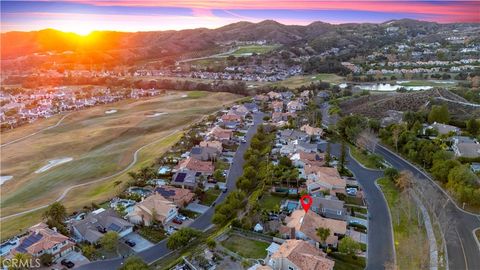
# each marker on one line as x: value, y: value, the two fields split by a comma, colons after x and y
x: 386, y: 87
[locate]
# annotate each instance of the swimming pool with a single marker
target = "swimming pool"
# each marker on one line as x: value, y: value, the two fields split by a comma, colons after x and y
x: 291, y: 205
x: 140, y: 191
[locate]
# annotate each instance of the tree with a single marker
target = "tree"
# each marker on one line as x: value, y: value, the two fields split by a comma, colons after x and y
x: 473, y: 126
x: 134, y: 263
x: 211, y: 244
x: 323, y: 233
x: 441, y: 169
x: 391, y: 173
x: 46, y: 259
x: 181, y: 237
x: 110, y: 241
x: 343, y: 156
x: 350, y: 126
x: 89, y: 251
x: 404, y: 180
x: 367, y: 140
x: 55, y: 216
x: 56, y: 212
x: 348, y: 245
x: 397, y: 130
x: 328, y: 157
x: 19, y: 262
x: 218, y: 175
x: 439, y: 114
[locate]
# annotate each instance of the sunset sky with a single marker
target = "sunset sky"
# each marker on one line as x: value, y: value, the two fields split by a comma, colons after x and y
x: 84, y: 16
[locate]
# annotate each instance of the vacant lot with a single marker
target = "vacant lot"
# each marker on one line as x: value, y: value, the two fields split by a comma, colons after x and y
x: 100, y: 145
x: 409, y: 233
x: 246, y: 247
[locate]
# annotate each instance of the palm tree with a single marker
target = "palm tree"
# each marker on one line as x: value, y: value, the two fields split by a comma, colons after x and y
x: 323, y: 234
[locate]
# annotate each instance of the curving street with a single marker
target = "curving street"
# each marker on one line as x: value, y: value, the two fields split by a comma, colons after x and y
x: 380, y: 238
x: 457, y: 225
x: 203, y: 222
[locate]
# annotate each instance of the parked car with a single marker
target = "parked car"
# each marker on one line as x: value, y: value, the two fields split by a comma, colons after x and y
x: 130, y: 243
x: 243, y: 141
x: 67, y: 263
x: 225, y: 190
x: 177, y: 221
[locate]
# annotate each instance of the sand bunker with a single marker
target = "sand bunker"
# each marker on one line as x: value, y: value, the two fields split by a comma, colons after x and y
x: 156, y: 114
x: 52, y: 163
x: 110, y: 111
x: 5, y: 178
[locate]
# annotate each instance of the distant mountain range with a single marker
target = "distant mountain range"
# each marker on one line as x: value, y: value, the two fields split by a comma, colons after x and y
x: 122, y: 47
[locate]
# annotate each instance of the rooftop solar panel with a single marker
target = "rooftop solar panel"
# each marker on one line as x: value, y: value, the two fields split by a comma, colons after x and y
x: 30, y: 240
x: 165, y: 193
x: 196, y: 150
x: 114, y: 227
x: 180, y: 177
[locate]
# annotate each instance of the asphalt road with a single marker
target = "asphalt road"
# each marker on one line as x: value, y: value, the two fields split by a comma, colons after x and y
x: 380, y: 238
x: 202, y: 223
x: 457, y: 225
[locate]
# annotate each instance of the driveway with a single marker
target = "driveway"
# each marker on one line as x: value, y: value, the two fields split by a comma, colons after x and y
x: 356, y: 220
x: 74, y: 256
x: 141, y: 243
x: 197, y: 208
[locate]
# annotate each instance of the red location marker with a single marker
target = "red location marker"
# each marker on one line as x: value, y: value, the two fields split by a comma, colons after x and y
x: 306, y: 202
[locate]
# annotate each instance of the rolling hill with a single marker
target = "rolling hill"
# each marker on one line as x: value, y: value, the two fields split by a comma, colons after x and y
x: 127, y: 47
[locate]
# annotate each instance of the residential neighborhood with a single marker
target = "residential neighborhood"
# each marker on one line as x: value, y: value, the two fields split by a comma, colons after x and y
x: 240, y: 135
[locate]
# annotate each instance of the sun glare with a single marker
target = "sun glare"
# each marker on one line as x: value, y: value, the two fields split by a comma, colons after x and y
x: 78, y: 27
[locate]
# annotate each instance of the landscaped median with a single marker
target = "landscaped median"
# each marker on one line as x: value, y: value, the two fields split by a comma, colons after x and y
x: 411, y: 243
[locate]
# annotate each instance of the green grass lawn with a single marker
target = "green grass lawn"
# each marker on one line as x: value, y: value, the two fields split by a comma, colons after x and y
x: 347, y: 262
x: 270, y: 202
x: 357, y: 209
x: 238, y: 133
x: 250, y: 49
x: 409, y: 233
x: 196, y: 94
x: 151, y: 234
x: 100, y: 145
x: 427, y: 83
x: 210, y: 196
x: 297, y: 81
x: 368, y: 160
x: 245, y: 247
x: 221, y: 165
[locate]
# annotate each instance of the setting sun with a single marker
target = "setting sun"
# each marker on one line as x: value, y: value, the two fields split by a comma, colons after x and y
x: 77, y: 27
